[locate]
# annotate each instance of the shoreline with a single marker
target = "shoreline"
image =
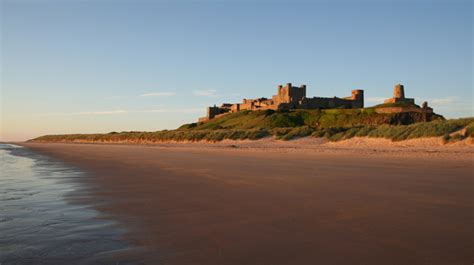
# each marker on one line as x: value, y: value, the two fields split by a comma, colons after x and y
x: 420, y: 147
x: 225, y: 205
x: 45, y: 219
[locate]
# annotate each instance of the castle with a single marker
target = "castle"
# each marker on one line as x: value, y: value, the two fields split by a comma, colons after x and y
x: 288, y: 97
x: 291, y: 97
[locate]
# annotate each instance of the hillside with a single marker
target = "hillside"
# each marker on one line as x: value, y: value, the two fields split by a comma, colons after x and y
x: 270, y: 119
x: 334, y: 124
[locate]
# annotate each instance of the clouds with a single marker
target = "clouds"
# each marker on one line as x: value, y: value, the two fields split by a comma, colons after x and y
x: 135, y: 104
x: 113, y: 97
x: 211, y: 93
x: 375, y: 100
x: 451, y: 105
x: 447, y: 101
x: 122, y: 111
x: 158, y: 94
x: 145, y: 95
x: 82, y: 113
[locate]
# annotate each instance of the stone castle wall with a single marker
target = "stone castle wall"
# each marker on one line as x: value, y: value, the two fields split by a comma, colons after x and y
x: 289, y: 97
x: 330, y: 103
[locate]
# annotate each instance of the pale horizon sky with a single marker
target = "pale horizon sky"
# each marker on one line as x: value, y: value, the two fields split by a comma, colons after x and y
x: 83, y: 66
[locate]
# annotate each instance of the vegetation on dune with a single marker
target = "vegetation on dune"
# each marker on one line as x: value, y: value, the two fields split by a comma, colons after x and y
x: 159, y: 136
x: 401, y: 132
x: 270, y: 119
x: 334, y: 124
x: 396, y: 104
x: 470, y: 130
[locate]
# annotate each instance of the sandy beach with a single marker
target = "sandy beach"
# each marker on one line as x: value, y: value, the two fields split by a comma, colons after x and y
x: 260, y: 204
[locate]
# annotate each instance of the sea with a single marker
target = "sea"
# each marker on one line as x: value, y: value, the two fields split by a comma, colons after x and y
x: 41, y: 224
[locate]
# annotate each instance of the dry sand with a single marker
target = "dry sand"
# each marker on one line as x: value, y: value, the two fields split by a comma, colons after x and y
x: 261, y: 203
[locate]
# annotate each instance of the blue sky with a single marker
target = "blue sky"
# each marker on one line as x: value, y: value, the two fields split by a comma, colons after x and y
x: 100, y: 66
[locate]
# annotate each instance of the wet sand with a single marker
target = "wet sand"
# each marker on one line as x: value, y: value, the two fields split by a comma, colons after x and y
x: 199, y: 205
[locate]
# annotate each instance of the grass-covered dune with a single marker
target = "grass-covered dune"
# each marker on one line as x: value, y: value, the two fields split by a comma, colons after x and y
x: 330, y: 118
x: 335, y: 124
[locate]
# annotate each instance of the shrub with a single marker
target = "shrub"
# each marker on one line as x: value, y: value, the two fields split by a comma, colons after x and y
x: 318, y: 133
x: 457, y: 137
x: 364, y: 131
x: 298, y: 132
x: 446, y: 138
x: 188, y: 126
x: 280, y: 132
x: 257, y: 134
x: 281, y: 120
x: 469, y: 130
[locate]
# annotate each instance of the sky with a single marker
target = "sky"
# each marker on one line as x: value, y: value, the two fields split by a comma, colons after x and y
x: 100, y: 66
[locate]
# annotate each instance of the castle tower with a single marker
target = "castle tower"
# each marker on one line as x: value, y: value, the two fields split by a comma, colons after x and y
x: 282, y: 94
x: 295, y: 94
x: 357, y: 93
x: 290, y: 94
x: 399, y: 91
x: 303, y: 89
x: 399, y: 96
x: 358, y: 97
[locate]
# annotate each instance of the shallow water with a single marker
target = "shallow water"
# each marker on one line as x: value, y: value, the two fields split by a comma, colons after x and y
x: 39, y: 226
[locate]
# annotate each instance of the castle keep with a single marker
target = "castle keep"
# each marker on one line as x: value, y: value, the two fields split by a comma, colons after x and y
x: 288, y: 97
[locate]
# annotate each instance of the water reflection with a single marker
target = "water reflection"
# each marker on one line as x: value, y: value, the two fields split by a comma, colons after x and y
x: 37, y: 224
